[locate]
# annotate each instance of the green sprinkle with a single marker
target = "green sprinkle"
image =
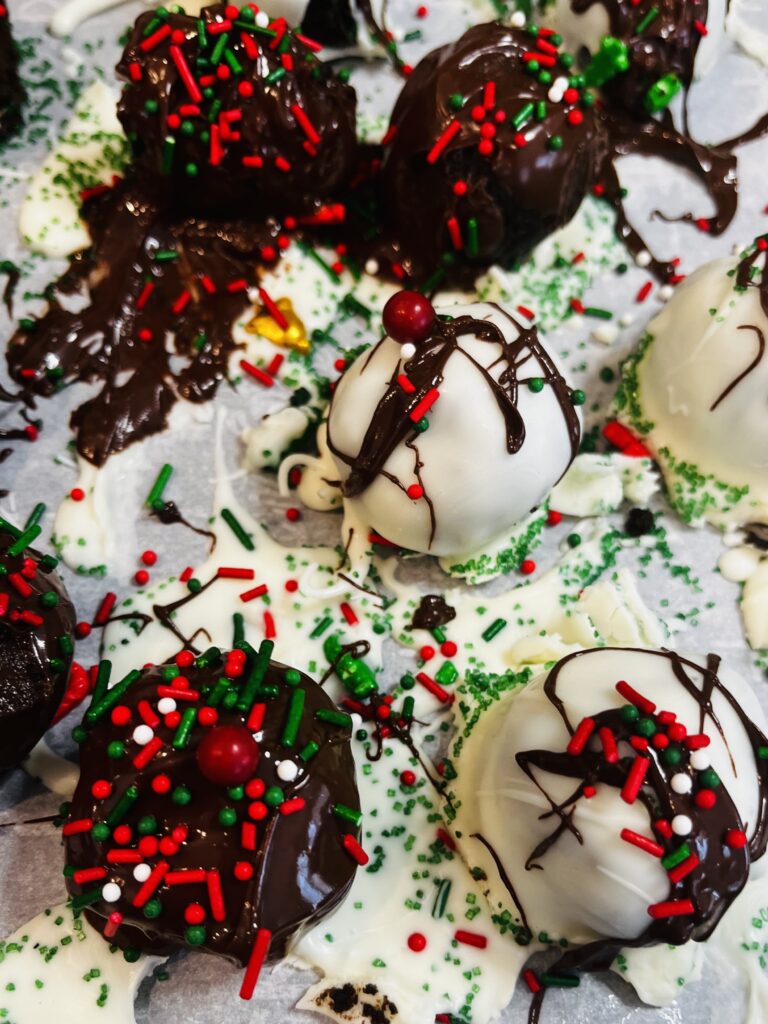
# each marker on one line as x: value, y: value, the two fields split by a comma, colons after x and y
x: 147, y: 825
x: 536, y: 384
x: 159, y: 485
x: 555, y: 142
x: 349, y: 814
x: 447, y: 674
x: 123, y: 806
x: 574, y: 540
x: 35, y: 515
x: 227, y: 816
x: 153, y: 908
x: 274, y: 796
x: 101, y: 832
x: 523, y: 115
x: 321, y: 627
x: 293, y: 721
x: 218, y: 50
x: 494, y: 629
x: 49, y: 599
x: 709, y: 778
x: 601, y: 314
x: 292, y: 677
x: 309, y: 751
x: 188, y: 719
x: 236, y: 527
x: 101, y: 685
x: 318, y: 259
x: 408, y: 708
x: 251, y: 688
x: 238, y: 625
x: 195, y: 935
x: 27, y: 537
x: 629, y: 713
x: 181, y: 796
x: 441, y: 898
x: 672, y: 755
x: 85, y: 899
x: 456, y: 101
x: 331, y: 717
x: 116, y: 750
x: 169, y: 150
x: 647, y: 21
x: 560, y: 980
x: 472, y: 240
x: 99, y: 708
x: 677, y: 856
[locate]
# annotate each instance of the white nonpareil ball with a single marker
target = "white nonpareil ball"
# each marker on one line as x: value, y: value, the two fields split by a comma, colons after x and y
x: 477, y: 485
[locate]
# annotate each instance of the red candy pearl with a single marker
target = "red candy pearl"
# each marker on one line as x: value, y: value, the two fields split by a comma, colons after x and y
x: 417, y: 943
x: 408, y: 317
x: 243, y: 871
x: 122, y: 835
x: 255, y: 788
x: 736, y: 839
x: 194, y: 914
x: 101, y: 789
x: 161, y: 784
x: 228, y: 755
x: 408, y: 778
x: 207, y: 716
x: 448, y: 649
x: 705, y: 798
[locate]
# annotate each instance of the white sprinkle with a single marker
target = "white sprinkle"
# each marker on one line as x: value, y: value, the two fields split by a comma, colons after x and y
x: 142, y: 872
x: 517, y: 20
x: 681, y: 783
x: 142, y: 734
x: 606, y: 334
x: 407, y: 351
x: 555, y: 93
x: 665, y: 293
x: 372, y: 267
x: 643, y: 258
x: 166, y: 705
x: 111, y: 892
x: 682, y: 825
x: 262, y: 19
x: 287, y: 771
x: 700, y: 760
x: 627, y: 319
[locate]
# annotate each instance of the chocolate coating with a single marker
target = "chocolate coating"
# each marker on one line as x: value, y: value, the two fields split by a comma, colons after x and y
x: 11, y: 90
x: 36, y: 642
x: 257, y: 127
x: 524, y: 180
x: 300, y: 868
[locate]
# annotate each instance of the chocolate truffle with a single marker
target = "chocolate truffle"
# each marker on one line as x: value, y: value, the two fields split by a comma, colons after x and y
x: 36, y: 643
x: 11, y: 89
x: 234, y: 118
x: 489, y: 150
x: 217, y: 808
x: 643, y: 53
x: 695, y: 392
x: 451, y: 429
x: 617, y: 800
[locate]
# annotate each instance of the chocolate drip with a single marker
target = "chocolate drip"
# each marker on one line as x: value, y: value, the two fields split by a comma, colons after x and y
x: 300, y: 868
x: 667, y: 45
x: 170, y: 514
x: 722, y: 870
x: 433, y: 611
x: 36, y: 643
x: 391, y: 424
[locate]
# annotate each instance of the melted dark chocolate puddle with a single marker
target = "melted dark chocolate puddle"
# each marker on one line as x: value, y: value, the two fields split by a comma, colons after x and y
x: 164, y: 293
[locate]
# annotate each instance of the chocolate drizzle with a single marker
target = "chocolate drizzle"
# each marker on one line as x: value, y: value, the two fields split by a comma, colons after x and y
x: 721, y: 870
x: 391, y: 423
x: 36, y: 642
x: 300, y: 868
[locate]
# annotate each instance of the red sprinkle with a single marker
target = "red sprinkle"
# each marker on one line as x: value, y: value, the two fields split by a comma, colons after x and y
x: 631, y: 695
x: 257, y: 958
x: 671, y: 908
x: 683, y: 870
x: 579, y: 739
x: 471, y: 939
x: 355, y: 850
x: 642, y: 842
x: 349, y: 614
x: 635, y: 779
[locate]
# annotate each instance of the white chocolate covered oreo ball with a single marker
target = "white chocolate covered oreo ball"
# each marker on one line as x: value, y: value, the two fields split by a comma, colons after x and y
x: 617, y: 799
x: 696, y: 392
x: 453, y: 428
